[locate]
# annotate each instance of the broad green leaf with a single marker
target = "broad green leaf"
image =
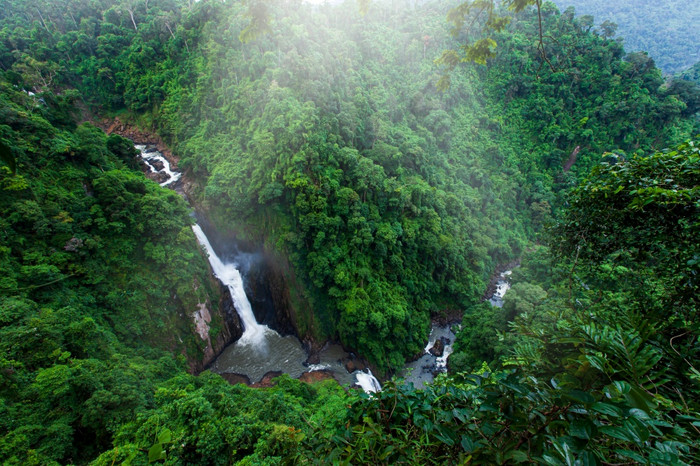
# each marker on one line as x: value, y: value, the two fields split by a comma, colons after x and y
x: 607, y: 409
x: 156, y: 453
x: 580, y: 396
x: 581, y: 428
x: 617, y: 432
x: 518, y: 456
x: 631, y: 455
x: 165, y: 436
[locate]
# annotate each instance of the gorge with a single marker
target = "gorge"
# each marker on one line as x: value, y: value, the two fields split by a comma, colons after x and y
x: 259, y: 350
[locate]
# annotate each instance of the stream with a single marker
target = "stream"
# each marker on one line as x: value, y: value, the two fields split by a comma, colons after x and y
x: 424, y: 369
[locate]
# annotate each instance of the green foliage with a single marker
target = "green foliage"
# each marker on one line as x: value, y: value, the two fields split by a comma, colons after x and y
x: 642, y: 211
x: 509, y: 418
x: 205, y: 420
x: 98, y: 265
x: 7, y: 157
x: 594, y: 374
x: 328, y: 140
x: 691, y: 74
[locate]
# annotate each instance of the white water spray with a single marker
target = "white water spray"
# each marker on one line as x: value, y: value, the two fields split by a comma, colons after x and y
x: 368, y: 382
x: 150, y: 156
x: 502, y: 286
x: 253, y: 332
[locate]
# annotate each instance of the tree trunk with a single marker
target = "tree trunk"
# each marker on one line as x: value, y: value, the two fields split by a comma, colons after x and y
x: 133, y: 21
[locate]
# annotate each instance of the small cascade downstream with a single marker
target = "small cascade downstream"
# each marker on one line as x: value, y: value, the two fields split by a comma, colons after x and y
x: 260, y: 350
x: 424, y: 369
x: 502, y: 286
x: 368, y: 382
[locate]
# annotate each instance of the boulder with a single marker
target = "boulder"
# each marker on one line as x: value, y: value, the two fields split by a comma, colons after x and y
x: 438, y: 348
x: 159, y: 177
x: 353, y: 364
x: 315, y: 376
x: 233, y: 378
x: 314, y: 358
x: 266, y: 380
x: 157, y: 164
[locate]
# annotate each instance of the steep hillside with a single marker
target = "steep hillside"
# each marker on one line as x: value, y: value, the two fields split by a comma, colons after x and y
x: 326, y: 137
x: 101, y: 278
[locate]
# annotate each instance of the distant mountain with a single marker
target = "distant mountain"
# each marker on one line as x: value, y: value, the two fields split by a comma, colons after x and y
x: 667, y: 30
x: 691, y: 74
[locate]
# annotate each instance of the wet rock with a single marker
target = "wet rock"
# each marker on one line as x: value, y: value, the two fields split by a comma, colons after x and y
x: 159, y: 177
x: 314, y: 358
x: 231, y: 332
x: 233, y: 378
x: 438, y: 348
x: 231, y: 317
x: 140, y: 136
x: 447, y: 317
x: 352, y: 365
x: 315, y: 376
x: 157, y: 164
x: 266, y: 380
x: 266, y: 290
x: 146, y: 168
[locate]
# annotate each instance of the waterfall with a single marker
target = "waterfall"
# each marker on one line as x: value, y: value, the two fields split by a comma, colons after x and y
x: 368, y: 382
x: 260, y: 351
x: 253, y: 332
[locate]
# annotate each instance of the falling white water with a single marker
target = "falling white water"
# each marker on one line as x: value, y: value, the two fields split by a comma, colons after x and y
x: 502, y: 286
x: 368, y: 382
x: 253, y: 332
x: 441, y: 362
x: 148, y: 157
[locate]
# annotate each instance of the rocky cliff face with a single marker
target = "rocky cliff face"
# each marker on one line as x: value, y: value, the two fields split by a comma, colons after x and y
x: 269, y: 297
x: 273, y: 282
x: 225, y: 318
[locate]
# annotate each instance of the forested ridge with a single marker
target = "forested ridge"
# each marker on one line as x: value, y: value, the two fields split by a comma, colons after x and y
x: 320, y: 133
x: 666, y: 30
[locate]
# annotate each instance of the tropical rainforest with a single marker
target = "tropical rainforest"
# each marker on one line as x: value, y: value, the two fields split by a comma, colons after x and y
x: 389, y: 183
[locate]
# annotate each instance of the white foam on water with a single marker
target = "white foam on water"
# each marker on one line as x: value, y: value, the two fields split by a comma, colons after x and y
x: 368, y: 382
x: 150, y: 156
x: 319, y: 367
